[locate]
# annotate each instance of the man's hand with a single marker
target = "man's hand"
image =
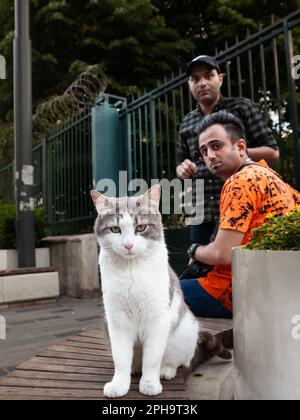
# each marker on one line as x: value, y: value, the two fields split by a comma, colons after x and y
x: 186, y: 170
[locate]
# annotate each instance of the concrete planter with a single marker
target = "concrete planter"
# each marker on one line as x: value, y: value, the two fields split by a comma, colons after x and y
x: 266, y: 301
x: 9, y: 258
x: 76, y: 259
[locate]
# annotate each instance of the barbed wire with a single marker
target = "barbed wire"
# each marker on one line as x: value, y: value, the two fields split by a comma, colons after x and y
x: 80, y: 95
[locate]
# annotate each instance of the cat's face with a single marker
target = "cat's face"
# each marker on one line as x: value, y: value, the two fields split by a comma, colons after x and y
x: 128, y: 226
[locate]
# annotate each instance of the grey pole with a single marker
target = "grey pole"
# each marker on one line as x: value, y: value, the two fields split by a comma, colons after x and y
x: 23, y: 136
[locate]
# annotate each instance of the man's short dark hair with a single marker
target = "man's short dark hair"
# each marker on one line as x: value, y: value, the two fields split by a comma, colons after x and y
x: 233, y: 125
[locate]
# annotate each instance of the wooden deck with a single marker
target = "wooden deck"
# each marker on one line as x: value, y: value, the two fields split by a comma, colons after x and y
x: 78, y: 368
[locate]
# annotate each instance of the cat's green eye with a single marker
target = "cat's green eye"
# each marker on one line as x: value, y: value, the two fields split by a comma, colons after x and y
x: 115, y: 229
x: 141, y: 228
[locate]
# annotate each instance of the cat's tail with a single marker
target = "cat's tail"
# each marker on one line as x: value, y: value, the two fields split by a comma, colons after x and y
x: 213, y: 346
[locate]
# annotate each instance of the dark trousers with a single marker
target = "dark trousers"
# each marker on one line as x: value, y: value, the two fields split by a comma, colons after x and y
x: 200, y: 234
x: 201, y: 303
x: 198, y: 300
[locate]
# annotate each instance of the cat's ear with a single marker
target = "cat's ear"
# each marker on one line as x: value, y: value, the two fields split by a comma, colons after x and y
x: 152, y: 197
x: 101, y: 201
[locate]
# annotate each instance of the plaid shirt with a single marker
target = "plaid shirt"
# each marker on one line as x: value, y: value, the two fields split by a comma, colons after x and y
x: 258, y: 134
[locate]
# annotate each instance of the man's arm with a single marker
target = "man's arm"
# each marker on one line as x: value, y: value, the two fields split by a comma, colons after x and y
x: 219, y: 251
x: 262, y: 144
x: 267, y: 153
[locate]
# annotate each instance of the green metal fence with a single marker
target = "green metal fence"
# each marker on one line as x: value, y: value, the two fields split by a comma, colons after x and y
x: 69, y: 175
x: 7, y: 184
x: 38, y: 175
x: 62, y: 176
x: 259, y: 67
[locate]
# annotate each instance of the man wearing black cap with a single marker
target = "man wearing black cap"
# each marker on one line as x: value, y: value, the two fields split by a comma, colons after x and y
x: 205, y: 82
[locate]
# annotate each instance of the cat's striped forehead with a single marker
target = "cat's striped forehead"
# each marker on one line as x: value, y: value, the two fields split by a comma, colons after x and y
x: 135, y: 206
x: 131, y: 211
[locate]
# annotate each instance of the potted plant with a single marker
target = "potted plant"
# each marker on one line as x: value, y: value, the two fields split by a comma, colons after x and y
x: 266, y: 301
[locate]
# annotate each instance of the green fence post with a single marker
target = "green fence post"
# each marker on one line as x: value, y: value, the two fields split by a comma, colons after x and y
x: 126, y: 128
x: 106, y: 143
x: 48, y: 171
x: 153, y: 140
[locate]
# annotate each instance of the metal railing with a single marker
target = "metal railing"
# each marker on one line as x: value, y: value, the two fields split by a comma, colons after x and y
x: 69, y: 175
x: 259, y: 67
x: 7, y: 184
x: 38, y: 175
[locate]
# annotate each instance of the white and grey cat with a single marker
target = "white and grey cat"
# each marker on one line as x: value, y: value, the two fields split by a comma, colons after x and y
x: 150, y: 327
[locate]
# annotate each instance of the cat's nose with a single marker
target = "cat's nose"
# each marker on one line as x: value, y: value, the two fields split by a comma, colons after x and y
x: 128, y: 246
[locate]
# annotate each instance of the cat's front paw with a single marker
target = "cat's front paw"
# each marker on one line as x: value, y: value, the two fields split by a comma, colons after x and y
x: 115, y: 389
x: 150, y: 388
x: 168, y: 372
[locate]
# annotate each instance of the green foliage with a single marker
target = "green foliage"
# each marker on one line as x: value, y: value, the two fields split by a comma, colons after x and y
x: 278, y: 234
x: 128, y: 37
x: 7, y: 226
x: 40, y: 225
x: 7, y: 143
x: 209, y: 22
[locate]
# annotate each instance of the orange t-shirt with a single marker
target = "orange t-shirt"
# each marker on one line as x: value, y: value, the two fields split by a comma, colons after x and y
x: 246, y: 200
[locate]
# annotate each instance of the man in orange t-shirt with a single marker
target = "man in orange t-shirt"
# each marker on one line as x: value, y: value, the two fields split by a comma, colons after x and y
x: 252, y: 191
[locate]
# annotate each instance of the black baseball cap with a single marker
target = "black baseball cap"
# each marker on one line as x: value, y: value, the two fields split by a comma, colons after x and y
x: 207, y: 59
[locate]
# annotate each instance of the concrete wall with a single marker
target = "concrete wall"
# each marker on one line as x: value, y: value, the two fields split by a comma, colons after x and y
x: 76, y: 259
x: 266, y: 303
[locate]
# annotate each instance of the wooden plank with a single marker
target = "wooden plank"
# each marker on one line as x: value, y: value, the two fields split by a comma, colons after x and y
x: 59, y: 384
x: 67, y: 369
x: 82, y: 393
x: 80, y: 377
x: 89, y: 346
x: 60, y: 376
x: 77, y: 374
x: 79, y: 339
x: 70, y: 349
x: 74, y: 356
x: 43, y: 383
x: 60, y: 362
x: 93, y: 334
x: 165, y: 395
x: 80, y: 350
x: 41, y: 392
x: 31, y: 398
